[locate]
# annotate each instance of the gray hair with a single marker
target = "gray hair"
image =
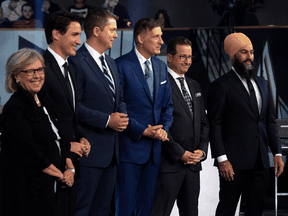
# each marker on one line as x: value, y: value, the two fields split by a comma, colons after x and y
x: 16, y: 63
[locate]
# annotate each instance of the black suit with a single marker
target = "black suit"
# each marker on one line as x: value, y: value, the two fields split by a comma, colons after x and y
x: 176, y: 180
x: 243, y: 135
x: 56, y: 87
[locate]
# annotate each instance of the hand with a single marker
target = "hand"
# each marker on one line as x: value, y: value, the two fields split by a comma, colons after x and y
x: 191, y: 157
x: 279, y: 165
x: 226, y: 171
x: 150, y: 131
x: 68, y: 177
x: 118, y: 121
x: 87, y: 146
x: 161, y: 134
x: 77, y: 148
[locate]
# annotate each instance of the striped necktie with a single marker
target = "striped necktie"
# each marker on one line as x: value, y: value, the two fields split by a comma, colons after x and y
x: 108, y: 77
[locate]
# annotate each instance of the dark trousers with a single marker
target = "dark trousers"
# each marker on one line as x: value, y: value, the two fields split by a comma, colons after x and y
x: 95, y: 189
x: 183, y: 186
x: 255, y: 184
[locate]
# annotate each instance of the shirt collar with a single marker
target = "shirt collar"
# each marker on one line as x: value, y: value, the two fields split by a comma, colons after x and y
x: 141, y: 58
x: 93, y: 52
x: 174, y: 74
x: 58, y: 58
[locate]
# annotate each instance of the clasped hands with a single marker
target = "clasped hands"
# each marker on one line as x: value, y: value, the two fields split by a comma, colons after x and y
x: 156, y: 132
x: 82, y: 148
x: 192, y: 157
x: 118, y: 121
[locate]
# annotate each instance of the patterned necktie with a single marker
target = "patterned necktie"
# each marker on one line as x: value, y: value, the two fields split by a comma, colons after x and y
x: 109, y: 79
x: 186, y: 95
x: 149, y: 77
x: 65, y: 65
x: 252, y: 95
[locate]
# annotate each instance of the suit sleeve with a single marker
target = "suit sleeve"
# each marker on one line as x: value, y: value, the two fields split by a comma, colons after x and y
x: 91, y: 117
x: 167, y: 108
x: 216, y: 102
x: 271, y: 127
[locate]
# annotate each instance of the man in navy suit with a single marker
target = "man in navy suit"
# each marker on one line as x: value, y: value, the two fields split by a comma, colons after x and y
x: 242, y: 126
x: 181, y: 156
x: 102, y: 113
x: 62, y: 33
x: 147, y: 94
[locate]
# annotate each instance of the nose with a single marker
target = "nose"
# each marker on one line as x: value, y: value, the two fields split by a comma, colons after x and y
x: 78, y: 41
x: 116, y: 35
x: 161, y: 41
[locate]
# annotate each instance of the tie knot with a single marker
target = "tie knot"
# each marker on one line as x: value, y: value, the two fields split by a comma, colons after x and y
x: 102, y: 59
x: 147, y: 63
x: 181, y: 79
x: 65, y: 65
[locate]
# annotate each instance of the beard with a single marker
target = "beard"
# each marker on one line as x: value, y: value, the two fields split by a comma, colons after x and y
x: 246, y: 71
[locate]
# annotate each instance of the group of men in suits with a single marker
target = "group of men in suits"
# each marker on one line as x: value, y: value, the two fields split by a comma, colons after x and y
x: 127, y: 106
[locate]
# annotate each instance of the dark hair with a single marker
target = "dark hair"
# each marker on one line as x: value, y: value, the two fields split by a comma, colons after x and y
x: 171, y: 47
x: 60, y: 21
x: 142, y: 26
x: 166, y: 18
x: 98, y: 18
x: 29, y: 5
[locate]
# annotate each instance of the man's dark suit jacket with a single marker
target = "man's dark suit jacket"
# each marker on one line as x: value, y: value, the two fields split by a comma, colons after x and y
x: 235, y: 128
x: 181, y: 136
x: 95, y: 106
x: 55, y: 86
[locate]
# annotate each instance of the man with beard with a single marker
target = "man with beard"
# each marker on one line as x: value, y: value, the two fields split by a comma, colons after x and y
x: 242, y: 126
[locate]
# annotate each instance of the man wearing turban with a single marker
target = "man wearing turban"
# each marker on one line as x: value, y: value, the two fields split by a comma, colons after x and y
x: 242, y: 126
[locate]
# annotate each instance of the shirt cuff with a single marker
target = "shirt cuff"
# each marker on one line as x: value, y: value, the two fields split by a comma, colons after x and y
x: 107, y: 121
x: 204, y: 155
x: 222, y: 158
x: 278, y: 154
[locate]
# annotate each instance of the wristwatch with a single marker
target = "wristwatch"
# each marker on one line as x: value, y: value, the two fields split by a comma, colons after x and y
x: 72, y: 169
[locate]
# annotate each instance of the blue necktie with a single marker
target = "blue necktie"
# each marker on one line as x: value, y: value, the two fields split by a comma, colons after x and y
x: 149, y: 77
x: 105, y: 72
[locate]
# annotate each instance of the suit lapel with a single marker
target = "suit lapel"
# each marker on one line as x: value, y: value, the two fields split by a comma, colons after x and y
x: 179, y: 96
x: 238, y: 85
x: 56, y: 69
x: 135, y: 64
x: 95, y: 68
x: 157, y: 75
x: 263, y: 88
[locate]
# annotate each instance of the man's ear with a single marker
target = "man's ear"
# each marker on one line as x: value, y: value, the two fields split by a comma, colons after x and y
x: 141, y: 38
x: 96, y: 31
x: 55, y: 34
x: 169, y: 57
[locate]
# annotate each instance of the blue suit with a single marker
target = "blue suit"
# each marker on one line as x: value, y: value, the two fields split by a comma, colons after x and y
x: 139, y: 154
x: 98, y: 170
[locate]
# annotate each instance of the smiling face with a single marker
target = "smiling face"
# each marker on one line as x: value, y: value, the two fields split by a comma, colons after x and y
x: 150, y: 42
x: 245, y: 55
x: 33, y: 83
x: 108, y: 35
x: 67, y: 43
x: 182, y: 60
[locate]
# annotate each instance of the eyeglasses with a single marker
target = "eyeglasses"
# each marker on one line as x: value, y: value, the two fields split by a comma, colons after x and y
x: 31, y: 72
x: 184, y: 58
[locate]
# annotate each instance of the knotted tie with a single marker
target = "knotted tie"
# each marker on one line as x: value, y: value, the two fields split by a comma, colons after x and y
x: 149, y: 77
x: 252, y: 96
x: 65, y: 65
x: 186, y: 95
x: 105, y: 72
